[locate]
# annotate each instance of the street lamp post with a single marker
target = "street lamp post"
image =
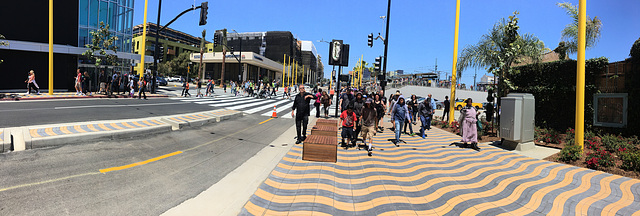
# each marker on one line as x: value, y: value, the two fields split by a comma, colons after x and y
x: 240, y: 68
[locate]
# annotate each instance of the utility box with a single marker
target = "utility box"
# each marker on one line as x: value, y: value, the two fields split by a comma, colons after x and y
x: 517, y: 120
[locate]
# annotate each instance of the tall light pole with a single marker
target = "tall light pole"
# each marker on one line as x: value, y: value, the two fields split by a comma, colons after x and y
x: 386, y: 44
x: 50, y: 47
x: 455, y: 60
x: 582, y: 16
x: 240, y: 68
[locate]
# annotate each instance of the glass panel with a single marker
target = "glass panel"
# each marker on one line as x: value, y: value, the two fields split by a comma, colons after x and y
x: 93, y: 13
x: 84, y: 12
x: 120, y: 20
x: 129, y: 21
x: 112, y: 16
x: 83, y: 37
x: 104, y: 12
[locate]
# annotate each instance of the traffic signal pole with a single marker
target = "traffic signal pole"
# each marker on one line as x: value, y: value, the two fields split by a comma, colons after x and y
x: 50, y: 48
x: 386, y: 45
x: 155, y: 51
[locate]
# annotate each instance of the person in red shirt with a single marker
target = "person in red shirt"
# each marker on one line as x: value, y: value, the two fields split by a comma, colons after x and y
x: 348, y: 120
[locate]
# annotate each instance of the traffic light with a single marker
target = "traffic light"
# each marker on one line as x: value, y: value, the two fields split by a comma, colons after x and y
x: 204, y: 12
x: 216, y: 39
x: 376, y: 64
x: 371, y: 40
x: 231, y: 50
x: 160, y: 53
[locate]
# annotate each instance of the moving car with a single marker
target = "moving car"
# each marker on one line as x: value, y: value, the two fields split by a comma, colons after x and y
x: 161, y: 81
x: 460, y: 103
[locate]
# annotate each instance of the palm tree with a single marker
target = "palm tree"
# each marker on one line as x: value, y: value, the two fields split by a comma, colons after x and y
x: 500, y: 49
x: 570, y: 32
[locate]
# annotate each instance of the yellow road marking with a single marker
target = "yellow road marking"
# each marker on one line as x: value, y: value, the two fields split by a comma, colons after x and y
x: 47, y: 181
x: 265, y: 121
x: 139, y: 163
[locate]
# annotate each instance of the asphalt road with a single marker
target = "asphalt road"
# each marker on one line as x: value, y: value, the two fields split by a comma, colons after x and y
x: 66, y: 180
x: 37, y: 112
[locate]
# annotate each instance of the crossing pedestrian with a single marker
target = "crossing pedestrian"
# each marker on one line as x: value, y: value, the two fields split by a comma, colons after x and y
x: 31, y: 83
x: 369, y: 119
x: 446, y: 108
x: 142, y: 88
x: 103, y: 83
x: 468, y: 120
x: 347, y: 120
x: 424, y: 111
x: 399, y: 113
x: 413, y: 108
x: 318, y: 102
x: 301, y: 104
x: 78, y: 82
x: 185, y: 89
x: 326, y: 103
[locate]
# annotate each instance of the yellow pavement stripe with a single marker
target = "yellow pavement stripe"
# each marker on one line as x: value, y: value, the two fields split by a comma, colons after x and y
x: 517, y: 192
x: 138, y: 124
x: 34, y: 133
x: 92, y: 128
x: 499, y: 188
x: 114, y: 125
x: 49, y: 131
x: 558, y: 203
x: 409, y: 178
x: 65, y: 130
x: 104, y: 127
x: 536, y: 198
x: 157, y: 122
x: 79, y: 129
x: 376, y: 188
x: 139, y: 163
x: 126, y: 124
x: 265, y: 121
x: 625, y: 200
x: 411, y: 169
x: 605, y: 190
x: 47, y: 181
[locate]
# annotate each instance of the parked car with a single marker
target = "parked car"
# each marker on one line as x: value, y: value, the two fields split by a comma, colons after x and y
x: 161, y: 81
x: 460, y: 103
x: 174, y: 79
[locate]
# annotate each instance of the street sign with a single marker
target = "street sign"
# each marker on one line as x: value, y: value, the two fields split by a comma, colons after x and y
x: 338, y: 53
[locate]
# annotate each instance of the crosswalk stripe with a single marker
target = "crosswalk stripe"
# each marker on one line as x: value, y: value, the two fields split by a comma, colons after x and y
x: 256, y: 109
x: 249, y: 105
x: 234, y: 102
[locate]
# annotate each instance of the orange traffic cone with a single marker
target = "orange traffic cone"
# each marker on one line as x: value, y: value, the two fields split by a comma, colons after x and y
x: 274, y: 115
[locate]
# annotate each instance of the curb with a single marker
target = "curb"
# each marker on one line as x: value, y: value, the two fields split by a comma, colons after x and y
x: 75, y: 97
x: 23, y: 140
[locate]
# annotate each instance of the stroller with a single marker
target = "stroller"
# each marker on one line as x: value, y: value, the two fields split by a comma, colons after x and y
x: 263, y: 94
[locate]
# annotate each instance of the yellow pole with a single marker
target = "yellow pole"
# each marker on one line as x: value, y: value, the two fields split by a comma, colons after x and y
x: 283, y: 68
x: 144, y: 40
x: 361, y: 72
x: 582, y: 26
x: 455, y: 60
x: 303, y: 74
x: 295, y: 72
x: 50, y: 47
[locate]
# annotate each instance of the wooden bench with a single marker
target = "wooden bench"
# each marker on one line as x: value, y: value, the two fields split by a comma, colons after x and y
x: 324, y: 130
x: 320, y: 148
x: 327, y: 122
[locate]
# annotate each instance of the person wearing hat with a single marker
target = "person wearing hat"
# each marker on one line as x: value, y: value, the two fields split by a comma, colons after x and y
x: 399, y: 114
x: 369, y: 118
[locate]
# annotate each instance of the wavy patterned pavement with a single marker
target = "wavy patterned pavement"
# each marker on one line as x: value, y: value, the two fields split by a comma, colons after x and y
x: 429, y: 177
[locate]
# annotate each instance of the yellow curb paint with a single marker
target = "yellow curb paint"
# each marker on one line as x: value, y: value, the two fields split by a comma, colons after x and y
x: 139, y: 163
x: 34, y: 133
x: 114, y: 125
x: 79, y: 129
x: 138, y: 124
x: 265, y: 121
x: 50, y: 132
x: 90, y: 126
x: 47, y: 181
x: 65, y: 130
x: 104, y: 127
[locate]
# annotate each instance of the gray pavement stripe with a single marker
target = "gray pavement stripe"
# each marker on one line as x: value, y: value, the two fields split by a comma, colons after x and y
x: 98, y: 127
x: 572, y: 202
x: 549, y: 198
x: 527, y: 193
x: 73, y: 130
x: 121, y: 125
x: 85, y: 128
x: 109, y: 126
x: 57, y: 131
x: 42, y: 133
x: 469, y: 170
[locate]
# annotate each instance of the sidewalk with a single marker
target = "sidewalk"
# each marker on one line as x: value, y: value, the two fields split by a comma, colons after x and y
x: 429, y: 177
x: 67, y: 95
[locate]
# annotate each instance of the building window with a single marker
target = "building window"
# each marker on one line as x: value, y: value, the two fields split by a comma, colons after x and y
x: 138, y: 45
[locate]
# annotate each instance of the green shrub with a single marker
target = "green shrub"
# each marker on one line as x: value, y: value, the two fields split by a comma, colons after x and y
x: 570, y: 153
x: 630, y: 160
x: 599, y: 159
x: 612, y: 143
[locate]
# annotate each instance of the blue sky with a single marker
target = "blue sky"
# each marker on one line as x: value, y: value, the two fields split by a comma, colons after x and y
x: 420, y: 31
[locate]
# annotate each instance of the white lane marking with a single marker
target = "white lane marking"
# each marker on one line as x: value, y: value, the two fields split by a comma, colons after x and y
x: 113, y: 106
x: 256, y: 109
